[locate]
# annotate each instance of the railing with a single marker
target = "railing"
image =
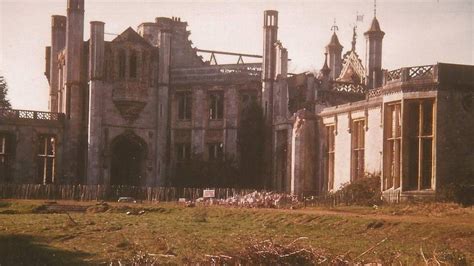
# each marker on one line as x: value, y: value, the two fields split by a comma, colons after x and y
x: 410, y: 73
x: 348, y: 87
x: 12, y: 114
x: 217, y: 73
x: 102, y: 192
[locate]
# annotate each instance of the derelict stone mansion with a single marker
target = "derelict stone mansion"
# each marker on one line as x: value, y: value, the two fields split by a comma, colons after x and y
x: 132, y: 110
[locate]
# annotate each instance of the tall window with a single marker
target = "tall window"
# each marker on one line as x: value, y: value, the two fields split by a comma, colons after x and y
x: 216, y: 151
x: 122, y: 62
x: 358, y: 143
x: 184, y: 105
x: 216, y: 105
x: 393, y: 138
x: 420, y: 144
x: 330, y: 149
x: 133, y: 64
x: 5, y: 157
x: 46, y: 159
x: 183, y: 152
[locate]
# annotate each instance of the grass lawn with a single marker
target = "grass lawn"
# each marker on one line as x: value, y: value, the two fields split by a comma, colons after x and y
x: 166, y: 232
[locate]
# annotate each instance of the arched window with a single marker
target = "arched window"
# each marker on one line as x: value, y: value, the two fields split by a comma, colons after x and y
x: 121, y: 64
x: 133, y: 64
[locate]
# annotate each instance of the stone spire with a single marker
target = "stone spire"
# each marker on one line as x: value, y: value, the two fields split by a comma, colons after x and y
x: 374, y: 37
x: 354, y: 38
x: 334, y: 50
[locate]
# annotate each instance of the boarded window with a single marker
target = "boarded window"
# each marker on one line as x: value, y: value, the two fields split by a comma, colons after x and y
x: 392, y: 145
x: 216, y: 151
x: 122, y: 62
x: 133, y: 64
x: 184, y: 105
x: 358, y: 144
x: 216, y: 105
x: 6, y: 152
x: 46, y: 159
x: 330, y: 151
x: 419, y: 144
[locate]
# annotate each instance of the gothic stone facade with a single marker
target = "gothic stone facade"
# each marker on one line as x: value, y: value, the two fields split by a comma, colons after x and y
x: 130, y: 110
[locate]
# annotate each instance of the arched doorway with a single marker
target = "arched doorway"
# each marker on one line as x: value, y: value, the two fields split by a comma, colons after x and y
x: 128, y: 152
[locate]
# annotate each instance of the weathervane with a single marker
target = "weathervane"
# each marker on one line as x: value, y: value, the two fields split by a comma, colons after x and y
x: 375, y: 8
x: 334, y: 27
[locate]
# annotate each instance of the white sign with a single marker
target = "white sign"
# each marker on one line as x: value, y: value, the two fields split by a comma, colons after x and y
x: 208, y: 193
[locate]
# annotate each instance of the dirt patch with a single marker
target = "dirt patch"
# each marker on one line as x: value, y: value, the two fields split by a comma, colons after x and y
x: 376, y: 224
x: 98, y: 208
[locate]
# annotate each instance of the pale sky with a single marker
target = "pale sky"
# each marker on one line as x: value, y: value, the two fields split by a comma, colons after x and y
x: 416, y: 32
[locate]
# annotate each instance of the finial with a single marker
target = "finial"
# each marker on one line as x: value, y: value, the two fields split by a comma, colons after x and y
x: 354, y: 37
x: 334, y: 27
x: 375, y: 8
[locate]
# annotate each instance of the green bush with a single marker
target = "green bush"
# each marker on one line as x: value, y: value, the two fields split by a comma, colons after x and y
x: 365, y: 191
x: 462, y: 193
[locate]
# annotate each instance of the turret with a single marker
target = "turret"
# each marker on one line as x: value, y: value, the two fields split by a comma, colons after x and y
x: 334, y: 51
x: 374, y: 38
x: 325, y: 70
x: 58, y: 40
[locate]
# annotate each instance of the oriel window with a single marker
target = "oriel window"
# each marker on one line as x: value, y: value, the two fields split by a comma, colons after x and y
x: 46, y: 159
x: 133, y: 64
x: 122, y: 64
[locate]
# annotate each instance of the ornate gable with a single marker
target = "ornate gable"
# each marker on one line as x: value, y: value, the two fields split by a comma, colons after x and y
x: 130, y: 35
x: 352, y: 69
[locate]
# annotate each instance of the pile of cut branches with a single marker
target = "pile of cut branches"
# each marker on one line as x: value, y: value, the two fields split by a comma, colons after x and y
x: 267, y: 252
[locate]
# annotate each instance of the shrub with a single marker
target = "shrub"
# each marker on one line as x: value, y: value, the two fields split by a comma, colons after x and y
x: 462, y: 193
x: 365, y: 191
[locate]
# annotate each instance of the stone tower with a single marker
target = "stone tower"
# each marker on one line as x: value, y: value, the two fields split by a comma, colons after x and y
x: 58, y: 40
x: 270, y: 37
x: 96, y: 97
x: 75, y: 91
x: 164, y: 26
x: 334, y: 51
x: 374, y: 38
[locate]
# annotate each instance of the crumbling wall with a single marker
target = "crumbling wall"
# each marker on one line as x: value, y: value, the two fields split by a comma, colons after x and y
x: 303, y: 153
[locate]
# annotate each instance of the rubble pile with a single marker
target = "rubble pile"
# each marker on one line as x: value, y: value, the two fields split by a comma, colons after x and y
x: 256, y: 200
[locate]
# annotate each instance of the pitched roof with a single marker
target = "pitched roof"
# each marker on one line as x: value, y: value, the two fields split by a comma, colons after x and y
x: 130, y: 35
x: 374, y: 27
x: 334, y: 40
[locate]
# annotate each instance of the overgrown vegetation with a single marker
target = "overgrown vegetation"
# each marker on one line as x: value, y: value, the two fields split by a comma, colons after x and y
x: 4, y: 102
x: 365, y: 191
x: 459, y: 189
x: 62, y: 233
x: 242, y: 172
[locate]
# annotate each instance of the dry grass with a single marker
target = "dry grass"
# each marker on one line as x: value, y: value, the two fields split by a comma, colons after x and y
x: 172, y: 233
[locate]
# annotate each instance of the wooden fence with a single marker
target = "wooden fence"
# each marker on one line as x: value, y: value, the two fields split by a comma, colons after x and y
x: 102, y: 192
